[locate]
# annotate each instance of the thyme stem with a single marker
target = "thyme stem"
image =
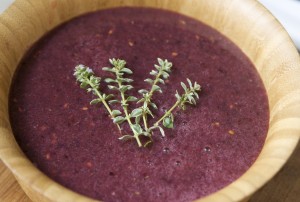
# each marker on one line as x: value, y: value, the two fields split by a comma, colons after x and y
x: 124, y: 105
x: 103, y: 101
x: 168, y: 112
x: 149, y: 98
x: 145, y: 121
x: 155, y: 82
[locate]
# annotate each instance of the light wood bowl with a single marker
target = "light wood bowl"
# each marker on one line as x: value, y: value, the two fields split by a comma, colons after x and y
x: 246, y: 23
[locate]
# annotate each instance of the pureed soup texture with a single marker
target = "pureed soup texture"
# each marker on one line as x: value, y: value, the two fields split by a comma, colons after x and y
x: 76, y: 144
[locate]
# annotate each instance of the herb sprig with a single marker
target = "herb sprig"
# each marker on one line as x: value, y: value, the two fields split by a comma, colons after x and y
x: 85, y: 76
x: 91, y: 83
x: 120, y: 70
x: 162, y: 72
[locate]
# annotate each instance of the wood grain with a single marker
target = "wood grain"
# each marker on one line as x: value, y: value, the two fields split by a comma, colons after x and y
x: 245, y: 22
x: 10, y: 190
x: 285, y: 186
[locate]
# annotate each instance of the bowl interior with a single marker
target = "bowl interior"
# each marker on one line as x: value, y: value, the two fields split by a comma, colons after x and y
x: 246, y: 23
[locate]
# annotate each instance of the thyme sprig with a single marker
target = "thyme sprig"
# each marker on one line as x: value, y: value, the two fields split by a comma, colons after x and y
x: 188, y: 97
x: 91, y: 83
x: 162, y: 72
x: 120, y: 83
x: 119, y: 70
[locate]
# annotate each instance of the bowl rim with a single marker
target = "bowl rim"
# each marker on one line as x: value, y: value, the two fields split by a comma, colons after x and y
x: 31, y: 178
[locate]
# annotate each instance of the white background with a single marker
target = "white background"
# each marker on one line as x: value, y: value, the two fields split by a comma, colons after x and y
x: 287, y: 12
x: 4, y: 4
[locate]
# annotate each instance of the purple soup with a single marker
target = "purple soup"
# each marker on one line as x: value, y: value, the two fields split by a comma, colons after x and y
x: 75, y: 144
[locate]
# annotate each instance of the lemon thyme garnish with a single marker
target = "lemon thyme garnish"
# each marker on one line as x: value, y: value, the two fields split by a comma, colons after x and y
x: 85, y: 76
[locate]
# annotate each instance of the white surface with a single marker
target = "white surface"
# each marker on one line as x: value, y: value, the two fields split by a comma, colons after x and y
x: 286, y: 11
x: 4, y: 4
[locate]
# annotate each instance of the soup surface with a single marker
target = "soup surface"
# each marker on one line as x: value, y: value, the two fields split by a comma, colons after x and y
x: 212, y: 144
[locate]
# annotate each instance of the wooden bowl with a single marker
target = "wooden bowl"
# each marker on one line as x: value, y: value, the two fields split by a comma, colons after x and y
x: 246, y: 23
